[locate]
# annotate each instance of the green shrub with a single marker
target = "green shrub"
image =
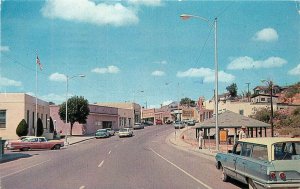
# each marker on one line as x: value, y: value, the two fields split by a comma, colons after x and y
x: 22, y: 129
x: 40, y: 128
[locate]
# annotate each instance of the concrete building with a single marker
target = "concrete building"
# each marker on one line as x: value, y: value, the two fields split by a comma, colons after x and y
x: 132, y: 111
x: 100, y: 117
x: 17, y: 106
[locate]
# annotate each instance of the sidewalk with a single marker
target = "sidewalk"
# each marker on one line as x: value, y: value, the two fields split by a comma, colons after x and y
x: 185, y: 139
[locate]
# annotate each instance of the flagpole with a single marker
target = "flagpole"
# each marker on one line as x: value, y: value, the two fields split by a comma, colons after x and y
x: 36, y: 91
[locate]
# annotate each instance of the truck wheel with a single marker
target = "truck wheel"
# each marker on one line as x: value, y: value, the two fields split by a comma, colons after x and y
x: 251, y: 184
x: 224, y: 176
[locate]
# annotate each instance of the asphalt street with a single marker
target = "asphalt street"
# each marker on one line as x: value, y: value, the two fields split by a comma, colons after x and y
x: 144, y: 161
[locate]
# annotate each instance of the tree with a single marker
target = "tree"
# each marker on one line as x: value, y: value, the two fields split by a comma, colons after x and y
x: 232, y: 89
x: 78, y: 110
x: 22, y: 129
x: 187, y: 101
x: 51, y: 126
x: 262, y: 115
x: 40, y: 128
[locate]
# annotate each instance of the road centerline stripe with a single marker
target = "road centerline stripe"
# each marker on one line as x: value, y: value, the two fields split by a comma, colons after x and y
x: 109, y: 152
x: 82, y: 187
x: 185, y: 172
x: 100, y: 165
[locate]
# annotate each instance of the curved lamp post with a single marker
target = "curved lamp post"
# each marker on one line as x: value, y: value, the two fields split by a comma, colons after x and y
x: 188, y: 16
x: 67, y: 83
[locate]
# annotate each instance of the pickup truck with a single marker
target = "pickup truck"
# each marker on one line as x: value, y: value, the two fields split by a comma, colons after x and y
x: 35, y: 143
x: 262, y: 162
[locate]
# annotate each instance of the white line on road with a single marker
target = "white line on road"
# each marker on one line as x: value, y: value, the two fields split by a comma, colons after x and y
x: 109, y: 152
x: 100, y: 165
x: 82, y: 187
x: 188, y: 174
x: 24, y: 169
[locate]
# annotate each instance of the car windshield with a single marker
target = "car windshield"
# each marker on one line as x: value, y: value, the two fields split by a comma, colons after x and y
x: 287, y: 151
x: 123, y: 130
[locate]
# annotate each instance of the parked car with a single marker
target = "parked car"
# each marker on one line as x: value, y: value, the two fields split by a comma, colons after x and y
x: 178, y: 125
x: 191, y: 123
x: 125, y: 132
x: 263, y: 162
x: 148, y: 123
x: 138, y: 126
x: 158, y: 122
x: 102, y: 133
x: 35, y: 143
x: 110, y: 131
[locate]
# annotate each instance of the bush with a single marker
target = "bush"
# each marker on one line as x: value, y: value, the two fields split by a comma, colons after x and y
x: 51, y: 127
x: 40, y: 128
x: 22, y: 129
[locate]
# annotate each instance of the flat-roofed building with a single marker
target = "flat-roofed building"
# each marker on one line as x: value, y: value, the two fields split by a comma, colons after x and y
x: 17, y: 106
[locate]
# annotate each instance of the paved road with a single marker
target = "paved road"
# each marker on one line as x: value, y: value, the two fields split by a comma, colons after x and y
x: 142, y: 161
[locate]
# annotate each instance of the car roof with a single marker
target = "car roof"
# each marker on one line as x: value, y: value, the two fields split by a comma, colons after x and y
x: 102, y: 130
x: 269, y: 140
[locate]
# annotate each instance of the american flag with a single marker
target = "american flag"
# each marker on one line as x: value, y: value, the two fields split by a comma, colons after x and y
x: 38, y: 62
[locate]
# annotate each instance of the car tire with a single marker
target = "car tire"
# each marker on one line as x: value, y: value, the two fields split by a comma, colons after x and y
x: 224, y: 176
x: 24, y: 149
x: 251, y: 184
x: 56, y: 147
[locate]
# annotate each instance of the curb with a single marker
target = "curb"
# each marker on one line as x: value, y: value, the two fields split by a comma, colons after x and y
x: 185, y: 148
x: 70, y: 144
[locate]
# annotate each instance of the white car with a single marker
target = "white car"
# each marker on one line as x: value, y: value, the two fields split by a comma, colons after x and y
x: 125, y: 132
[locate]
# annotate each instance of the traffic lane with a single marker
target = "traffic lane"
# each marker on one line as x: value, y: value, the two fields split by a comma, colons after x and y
x: 197, y: 166
x: 133, y: 165
x: 64, y: 166
x: 68, y: 169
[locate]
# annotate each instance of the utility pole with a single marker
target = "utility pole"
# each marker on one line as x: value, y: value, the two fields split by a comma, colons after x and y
x: 248, y: 94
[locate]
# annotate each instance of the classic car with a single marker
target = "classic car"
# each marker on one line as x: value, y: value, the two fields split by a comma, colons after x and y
x: 262, y: 162
x: 125, y: 132
x: 110, y: 131
x: 102, y: 133
x: 138, y: 126
x: 178, y: 125
x: 35, y: 143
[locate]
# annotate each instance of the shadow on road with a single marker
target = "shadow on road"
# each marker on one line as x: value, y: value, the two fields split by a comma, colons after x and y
x: 13, y: 156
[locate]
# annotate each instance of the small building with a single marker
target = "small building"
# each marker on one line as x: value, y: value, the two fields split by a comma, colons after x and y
x: 134, y: 108
x: 232, y: 122
x: 100, y: 117
x: 17, y: 106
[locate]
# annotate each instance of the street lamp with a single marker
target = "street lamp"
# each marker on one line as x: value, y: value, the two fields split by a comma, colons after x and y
x: 269, y: 83
x: 188, y: 16
x: 67, y: 83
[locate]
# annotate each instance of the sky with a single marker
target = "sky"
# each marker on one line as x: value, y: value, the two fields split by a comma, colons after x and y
x: 142, y: 51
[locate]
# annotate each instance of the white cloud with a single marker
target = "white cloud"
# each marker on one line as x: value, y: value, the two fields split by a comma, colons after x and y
x: 89, y: 12
x: 248, y: 63
x: 295, y: 71
x: 167, y: 102
x: 266, y: 34
x: 145, y: 2
x: 4, y: 48
x: 161, y: 62
x: 58, y: 99
x: 58, y: 77
x: 109, y: 69
x: 153, y: 106
x: 5, y: 82
x: 207, y: 74
x: 158, y: 73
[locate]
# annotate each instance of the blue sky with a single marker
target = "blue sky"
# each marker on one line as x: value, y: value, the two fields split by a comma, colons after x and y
x: 125, y: 47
